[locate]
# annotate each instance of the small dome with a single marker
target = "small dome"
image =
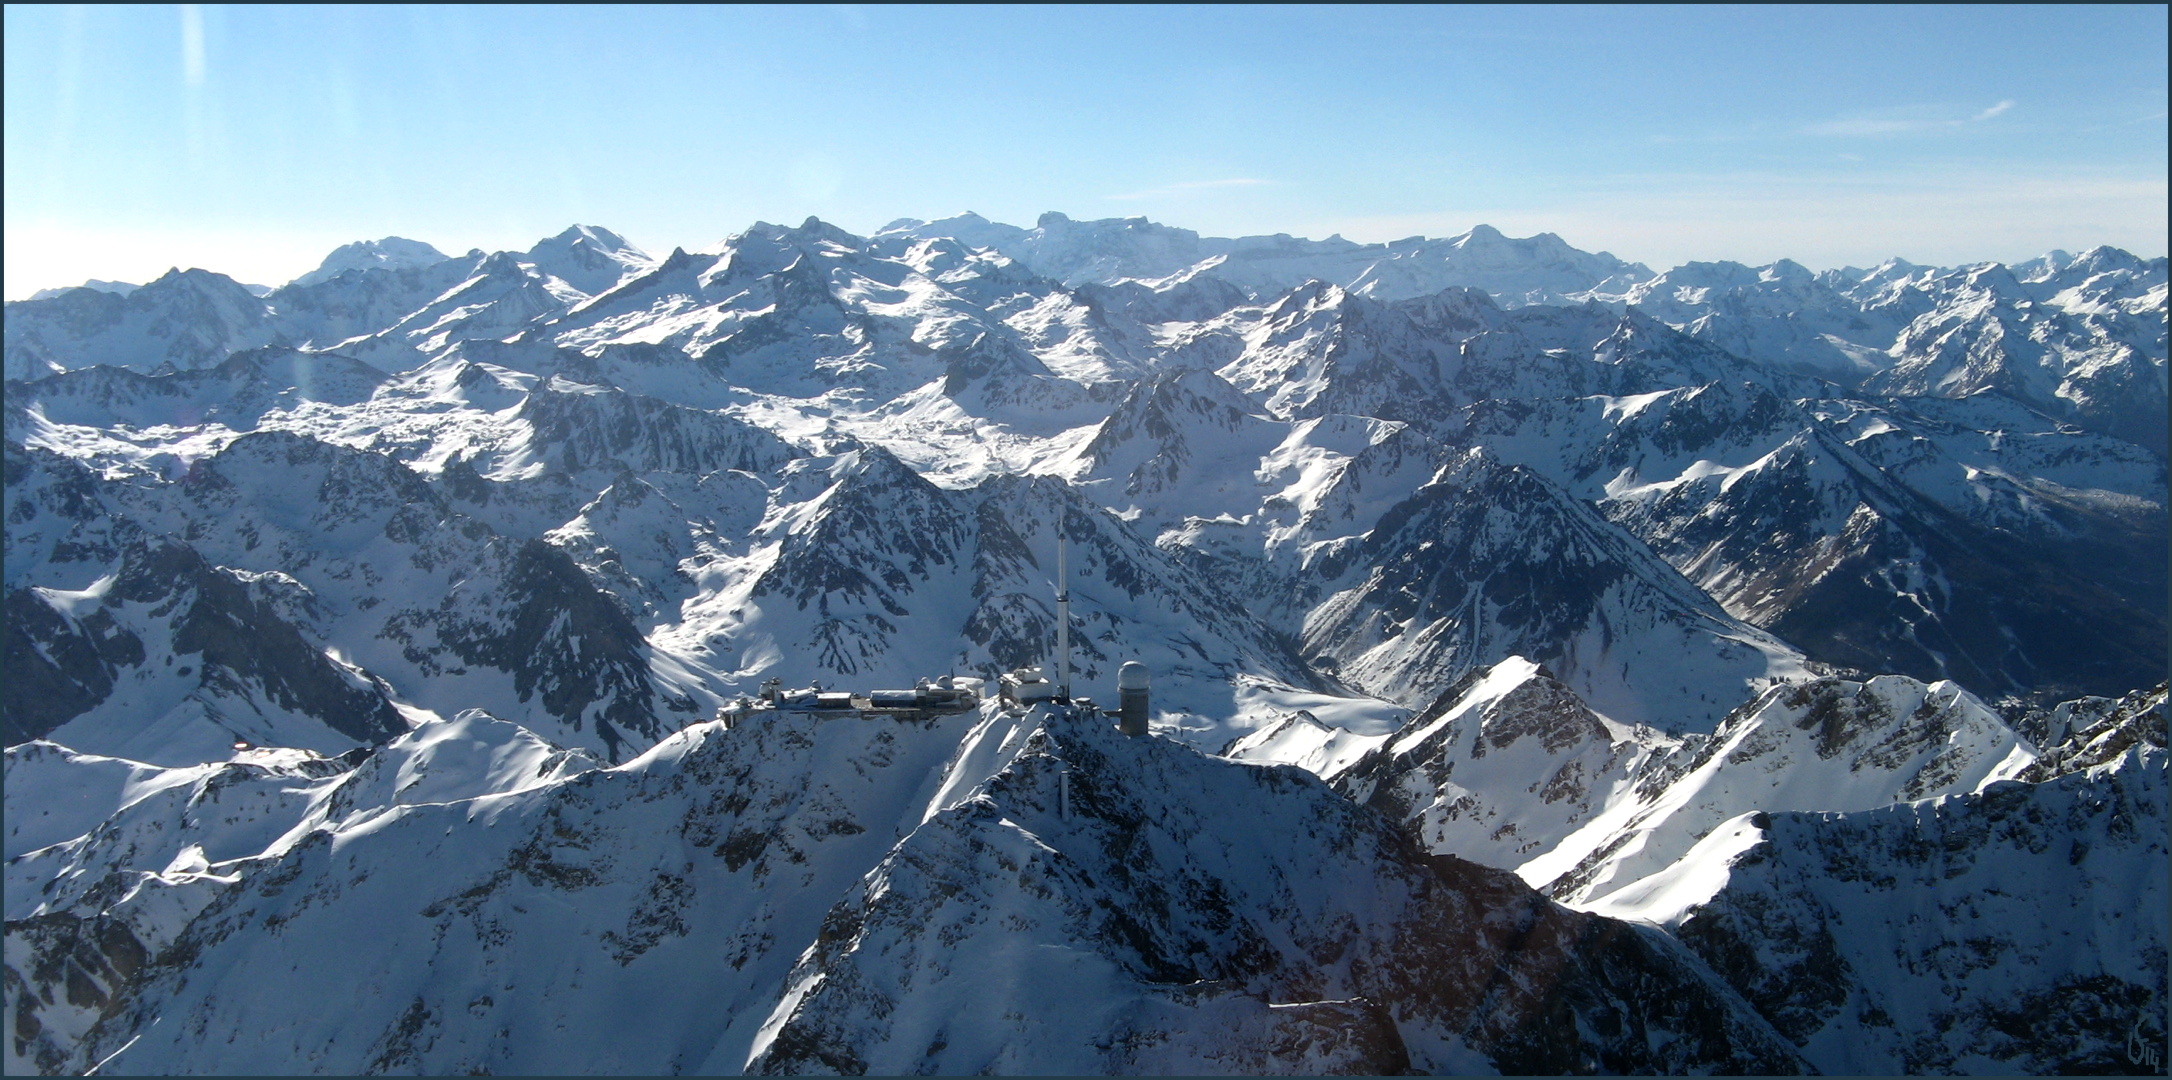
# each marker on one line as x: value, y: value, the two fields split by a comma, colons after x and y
x: 1131, y: 676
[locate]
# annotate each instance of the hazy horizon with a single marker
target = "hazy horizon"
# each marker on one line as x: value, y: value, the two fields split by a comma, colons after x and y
x: 252, y: 141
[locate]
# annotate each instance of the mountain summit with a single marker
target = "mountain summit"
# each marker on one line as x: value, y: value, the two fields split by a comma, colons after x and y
x: 390, y: 253
x: 1555, y: 665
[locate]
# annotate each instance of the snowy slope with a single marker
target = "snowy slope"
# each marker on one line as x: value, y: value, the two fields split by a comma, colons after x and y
x: 1523, y: 555
x: 390, y: 253
x: 184, y: 319
x: 172, y: 660
x: 1490, y: 560
x: 813, y: 893
x: 1554, y: 764
x: 1887, y: 536
x: 1539, y: 269
x: 399, y: 589
x: 1830, y: 745
x: 2028, y: 921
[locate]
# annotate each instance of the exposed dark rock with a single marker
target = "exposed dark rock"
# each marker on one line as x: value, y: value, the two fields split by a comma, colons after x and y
x: 565, y: 640
x: 70, y: 973
x: 57, y: 668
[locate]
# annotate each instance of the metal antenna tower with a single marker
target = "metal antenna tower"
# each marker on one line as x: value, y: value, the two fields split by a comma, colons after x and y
x: 1063, y: 620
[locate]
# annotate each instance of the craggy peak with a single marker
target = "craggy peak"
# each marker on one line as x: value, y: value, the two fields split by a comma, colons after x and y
x: 1092, y: 648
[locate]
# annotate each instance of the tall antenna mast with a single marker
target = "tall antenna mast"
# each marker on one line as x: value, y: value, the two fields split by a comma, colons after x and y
x: 1063, y: 618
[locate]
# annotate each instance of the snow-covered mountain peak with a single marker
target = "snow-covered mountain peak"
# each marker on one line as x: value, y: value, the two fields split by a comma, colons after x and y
x: 1182, y: 442
x: 592, y: 235
x: 1501, y: 766
x: 390, y: 253
x: 969, y: 228
x: 117, y: 288
x: 2089, y: 732
x: 937, y: 255
x: 1567, y: 515
x: 1304, y: 299
x: 1486, y: 242
x: 207, y: 283
x: 1480, y: 235
x: 2106, y: 259
x: 2043, y: 266
x: 1829, y: 745
x: 592, y: 260
x: 1996, y: 280
x: 1787, y: 270
x: 807, y: 235
x: 470, y: 755
x: 1535, y: 269
x: 183, y: 320
x: 1164, y: 404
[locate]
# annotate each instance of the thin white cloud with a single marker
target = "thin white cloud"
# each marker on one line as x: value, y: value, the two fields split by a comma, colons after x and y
x: 1902, y: 122
x: 1862, y: 126
x: 192, y: 44
x: 1191, y: 185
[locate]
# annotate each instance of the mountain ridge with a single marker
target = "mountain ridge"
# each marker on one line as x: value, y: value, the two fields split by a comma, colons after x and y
x: 1548, y: 656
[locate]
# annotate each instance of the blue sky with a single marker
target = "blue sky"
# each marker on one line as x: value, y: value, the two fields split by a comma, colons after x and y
x: 252, y: 140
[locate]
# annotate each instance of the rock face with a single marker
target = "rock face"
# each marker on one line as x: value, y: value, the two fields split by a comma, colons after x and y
x: 1586, y: 591
x: 1887, y: 537
x: 184, y: 320
x: 2056, y: 962
x: 57, y: 668
x: 1536, y: 764
x: 564, y: 643
x: 310, y: 569
x: 1487, y: 560
x: 1890, y: 874
x: 1830, y: 745
x: 79, y: 666
x: 831, y: 894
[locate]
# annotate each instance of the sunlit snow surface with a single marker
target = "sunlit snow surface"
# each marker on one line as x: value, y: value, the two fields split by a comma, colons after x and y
x: 1226, y: 407
x: 740, y: 896
x: 1522, y: 549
